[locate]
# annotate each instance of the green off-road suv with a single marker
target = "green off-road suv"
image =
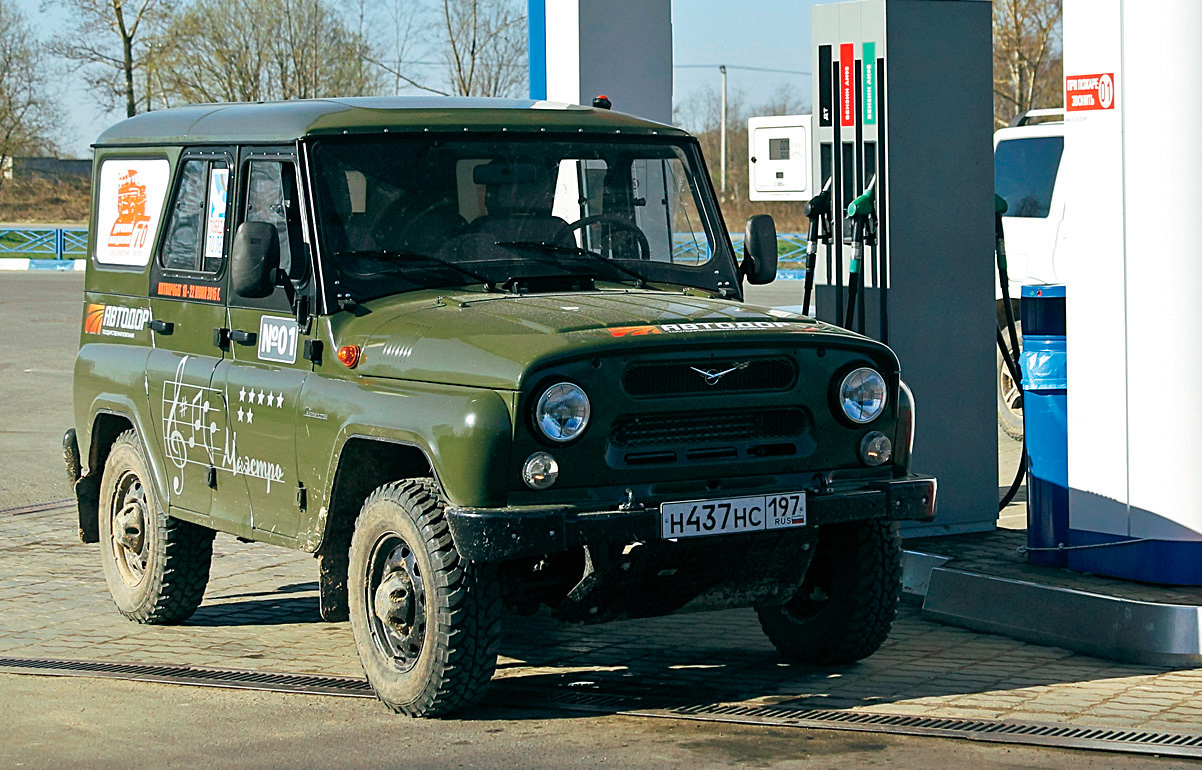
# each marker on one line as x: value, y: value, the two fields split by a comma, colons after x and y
x: 471, y: 353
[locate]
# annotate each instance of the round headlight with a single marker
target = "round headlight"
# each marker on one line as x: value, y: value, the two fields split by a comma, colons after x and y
x: 562, y: 412
x: 540, y: 470
x: 862, y: 395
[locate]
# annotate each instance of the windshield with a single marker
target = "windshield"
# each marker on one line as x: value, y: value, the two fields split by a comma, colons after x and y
x: 411, y: 212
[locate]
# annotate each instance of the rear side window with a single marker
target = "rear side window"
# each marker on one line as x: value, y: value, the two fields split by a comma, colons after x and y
x: 1024, y: 173
x: 195, y: 238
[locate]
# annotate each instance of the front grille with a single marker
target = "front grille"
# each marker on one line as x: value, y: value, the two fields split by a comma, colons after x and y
x: 677, y: 378
x: 705, y: 427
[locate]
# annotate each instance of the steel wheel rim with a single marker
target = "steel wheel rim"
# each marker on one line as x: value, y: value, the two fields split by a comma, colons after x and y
x: 1009, y: 390
x: 127, y: 530
x: 395, y: 598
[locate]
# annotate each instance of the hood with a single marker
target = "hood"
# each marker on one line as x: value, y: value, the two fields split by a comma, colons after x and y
x: 493, y: 340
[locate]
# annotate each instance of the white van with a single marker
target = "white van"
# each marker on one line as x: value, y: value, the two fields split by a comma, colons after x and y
x: 1026, y: 162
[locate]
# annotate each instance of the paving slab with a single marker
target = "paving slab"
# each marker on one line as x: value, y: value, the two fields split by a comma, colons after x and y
x: 261, y: 613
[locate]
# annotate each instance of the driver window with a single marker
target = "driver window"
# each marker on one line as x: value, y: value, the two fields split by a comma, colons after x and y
x: 272, y: 197
x: 666, y: 211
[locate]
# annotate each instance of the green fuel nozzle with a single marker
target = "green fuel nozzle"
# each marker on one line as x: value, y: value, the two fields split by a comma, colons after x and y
x: 861, y: 212
x: 862, y: 207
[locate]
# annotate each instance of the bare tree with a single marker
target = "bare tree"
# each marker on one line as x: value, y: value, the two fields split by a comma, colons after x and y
x: 701, y: 114
x: 294, y: 49
x: 28, y: 116
x: 483, y: 44
x: 111, y: 38
x: 1027, y: 57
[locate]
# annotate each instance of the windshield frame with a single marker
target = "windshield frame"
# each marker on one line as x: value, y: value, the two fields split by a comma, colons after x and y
x: 722, y: 270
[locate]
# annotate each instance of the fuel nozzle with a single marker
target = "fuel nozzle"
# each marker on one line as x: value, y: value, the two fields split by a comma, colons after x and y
x: 861, y: 212
x: 1000, y: 207
x: 816, y: 210
x: 861, y: 216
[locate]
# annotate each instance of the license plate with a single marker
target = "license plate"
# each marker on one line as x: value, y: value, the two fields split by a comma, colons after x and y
x: 697, y: 518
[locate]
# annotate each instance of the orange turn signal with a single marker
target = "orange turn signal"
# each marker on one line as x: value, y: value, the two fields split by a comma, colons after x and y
x: 349, y: 355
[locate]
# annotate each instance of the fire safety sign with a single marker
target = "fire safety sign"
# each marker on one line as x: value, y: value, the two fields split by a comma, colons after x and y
x: 1089, y: 92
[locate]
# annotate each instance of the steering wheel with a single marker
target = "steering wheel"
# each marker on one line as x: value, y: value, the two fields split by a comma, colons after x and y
x: 396, y: 226
x: 621, y: 224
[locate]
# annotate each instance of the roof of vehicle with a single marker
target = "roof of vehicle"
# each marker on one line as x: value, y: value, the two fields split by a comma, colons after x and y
x: 273, y: 122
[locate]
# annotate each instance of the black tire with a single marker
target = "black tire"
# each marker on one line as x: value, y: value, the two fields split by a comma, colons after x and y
x: 156, y: 566
x: 1009, y: 418
x: 845, y: 608
x: 427, y: 623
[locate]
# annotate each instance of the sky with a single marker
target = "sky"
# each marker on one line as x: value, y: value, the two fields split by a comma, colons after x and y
x: 766, y: 34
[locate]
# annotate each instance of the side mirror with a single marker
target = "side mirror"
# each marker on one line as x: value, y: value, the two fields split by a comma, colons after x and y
x: 759, y: 250
x: 255, y: 260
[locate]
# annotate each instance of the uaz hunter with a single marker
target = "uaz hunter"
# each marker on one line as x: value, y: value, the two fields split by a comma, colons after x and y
x: 471, y: 354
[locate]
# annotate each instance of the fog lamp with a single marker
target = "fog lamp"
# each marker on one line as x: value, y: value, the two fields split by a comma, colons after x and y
x: 875, y: 448
x: 540, y: 470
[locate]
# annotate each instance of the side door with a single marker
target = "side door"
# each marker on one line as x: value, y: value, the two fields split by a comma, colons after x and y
x: 265, y: 369
x: 187, y: 301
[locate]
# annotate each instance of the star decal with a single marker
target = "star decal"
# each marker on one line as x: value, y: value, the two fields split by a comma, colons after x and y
x: 279, y: 399
x: 250, y: 416
x: 242, y: 395
x: 240, y: 413
x: 261, y: 395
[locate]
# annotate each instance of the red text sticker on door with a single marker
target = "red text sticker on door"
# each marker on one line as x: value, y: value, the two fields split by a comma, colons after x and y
x: 1089, y: 92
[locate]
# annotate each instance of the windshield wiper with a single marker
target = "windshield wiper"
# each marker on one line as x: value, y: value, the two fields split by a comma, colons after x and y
x: 386, y: 254
x: 557, y: 248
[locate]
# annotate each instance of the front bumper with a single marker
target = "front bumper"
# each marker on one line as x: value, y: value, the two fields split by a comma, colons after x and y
x: 500, y: 534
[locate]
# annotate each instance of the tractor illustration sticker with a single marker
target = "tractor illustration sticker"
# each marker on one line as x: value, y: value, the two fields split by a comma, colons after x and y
x: 130, y: 201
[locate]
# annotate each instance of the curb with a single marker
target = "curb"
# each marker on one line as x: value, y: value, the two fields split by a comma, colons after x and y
x: 12, y: 264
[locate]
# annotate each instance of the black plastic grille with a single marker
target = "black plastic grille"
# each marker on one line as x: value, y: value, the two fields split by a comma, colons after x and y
x: 706, y: 427
x: 678, y: 378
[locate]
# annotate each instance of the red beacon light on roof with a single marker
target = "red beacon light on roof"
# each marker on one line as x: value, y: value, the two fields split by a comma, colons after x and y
x: 602, y: 102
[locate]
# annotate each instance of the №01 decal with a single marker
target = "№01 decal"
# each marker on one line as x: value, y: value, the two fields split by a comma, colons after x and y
x: 277, y: 339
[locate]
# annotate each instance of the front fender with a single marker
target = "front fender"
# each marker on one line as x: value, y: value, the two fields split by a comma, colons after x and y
x: 465, y: 433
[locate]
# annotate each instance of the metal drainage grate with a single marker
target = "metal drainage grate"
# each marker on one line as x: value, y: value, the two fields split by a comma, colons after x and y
x: 1055, y: 735
x: 506, y: 692
x: 53, y: 505
x: 317, y: 684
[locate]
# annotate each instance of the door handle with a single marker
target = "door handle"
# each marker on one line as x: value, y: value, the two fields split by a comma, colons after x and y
x: 243, y: 338
x: 162, y: 327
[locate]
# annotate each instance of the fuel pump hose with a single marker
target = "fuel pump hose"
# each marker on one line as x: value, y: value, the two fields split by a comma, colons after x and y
x: 1009, y: 356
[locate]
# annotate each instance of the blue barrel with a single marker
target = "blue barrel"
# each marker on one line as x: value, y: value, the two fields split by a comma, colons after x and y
x: 1045, y: 421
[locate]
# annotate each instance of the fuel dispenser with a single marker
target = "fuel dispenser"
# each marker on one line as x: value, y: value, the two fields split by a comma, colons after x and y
x: 904, y: 241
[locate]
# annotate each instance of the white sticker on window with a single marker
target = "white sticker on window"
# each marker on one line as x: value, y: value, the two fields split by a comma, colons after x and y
x: 127, y: 212
x: 215, y: 227
x: 277, y: 339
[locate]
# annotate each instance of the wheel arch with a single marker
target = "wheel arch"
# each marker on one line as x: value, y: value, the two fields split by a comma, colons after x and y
x: 364, y: 463
x: 106, y: 426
